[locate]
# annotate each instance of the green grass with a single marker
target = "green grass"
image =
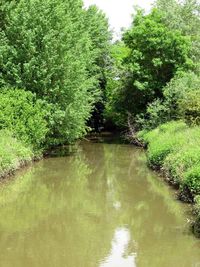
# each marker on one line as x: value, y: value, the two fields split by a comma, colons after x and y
x: 174, y: 147
x: 13, y: 153
x: 164, y: 140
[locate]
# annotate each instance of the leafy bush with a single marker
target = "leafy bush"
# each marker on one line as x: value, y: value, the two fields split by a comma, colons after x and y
x: 157, y: 113
x: 189, y: 107
x: 182, y: 97
x: 13, y: 153
x: 192, y: 179
x: 24, y: 115
x: 177, y: 163
x: 181, y: 101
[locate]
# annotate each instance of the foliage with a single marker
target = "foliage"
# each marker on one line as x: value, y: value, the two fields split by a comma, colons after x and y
x: 97, y: 25
x: 113, y: 111
x: 155, y: 59
x: 178, y: 87
x: 177, y: 163
x: 183, y: 16
x: 181, y: 94
x: 156, y: 113
x: 163, y: 140
x: 181, y: 101
x: 189, y: 107
x: 24, y: 115
x: 13, y: 153
x: 47, y: 49
x: 156, y: 54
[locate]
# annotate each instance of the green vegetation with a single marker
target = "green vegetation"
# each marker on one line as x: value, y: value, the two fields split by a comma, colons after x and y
x: 24, y: 115
x: 156, y: 54
x: 60, y: 77
x: 53, y: 58
x: 13, y: 153
x: 153, y: 87
x: 174, y: 147
x: 48, y: 50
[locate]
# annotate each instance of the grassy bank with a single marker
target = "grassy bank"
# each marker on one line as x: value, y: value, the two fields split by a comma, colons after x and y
x: 174, y: 148
x: 13, y: 153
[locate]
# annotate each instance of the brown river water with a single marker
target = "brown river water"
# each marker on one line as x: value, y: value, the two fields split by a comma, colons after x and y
x: 99, y: 207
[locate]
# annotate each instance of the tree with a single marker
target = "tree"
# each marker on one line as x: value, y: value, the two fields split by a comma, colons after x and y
x: 183, y: 16
x: 46, y: 49
x: 156, y: 54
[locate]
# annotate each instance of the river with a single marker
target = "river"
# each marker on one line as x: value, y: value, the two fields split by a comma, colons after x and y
x: 99, y: 207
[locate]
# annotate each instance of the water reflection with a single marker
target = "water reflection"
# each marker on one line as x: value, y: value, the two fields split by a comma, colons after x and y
x: 100, y: 207
x: 119, y: 253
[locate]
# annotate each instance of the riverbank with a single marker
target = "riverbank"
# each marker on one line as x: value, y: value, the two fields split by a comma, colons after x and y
x: 174, y: 149
x: 13, y: 154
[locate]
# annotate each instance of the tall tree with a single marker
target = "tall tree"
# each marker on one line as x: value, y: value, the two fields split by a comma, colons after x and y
x: 48, y: 51
x: 156, y: 54
x: 183, y: 16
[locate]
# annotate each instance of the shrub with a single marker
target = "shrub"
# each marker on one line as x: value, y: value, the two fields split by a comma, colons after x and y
x: 186, y: 156
x: 12, y: 153
x: 182, y: 97
x: 181, y: 101
x: 189, y: 107
x: 177, y: 163
x: 192, y: 179
x: 157, y: 113
x: 163, y: 140
x: 24, y: 115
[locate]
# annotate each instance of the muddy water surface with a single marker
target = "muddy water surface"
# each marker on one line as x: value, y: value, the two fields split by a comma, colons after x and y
x: 100, y: 207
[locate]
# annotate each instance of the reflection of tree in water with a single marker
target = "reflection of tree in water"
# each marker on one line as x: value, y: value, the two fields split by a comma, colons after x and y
x: 145, y: 206
x: 156, y: 222
x: 67, y: 211
x: 66, y: 227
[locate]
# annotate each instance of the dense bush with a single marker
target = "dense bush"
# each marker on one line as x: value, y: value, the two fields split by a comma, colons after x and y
x: 24, y: 115
x: 13, y: 153
x: 157, y: 112
x: 181, y: 100
x: 189, y: 107
x: 176, y: 92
